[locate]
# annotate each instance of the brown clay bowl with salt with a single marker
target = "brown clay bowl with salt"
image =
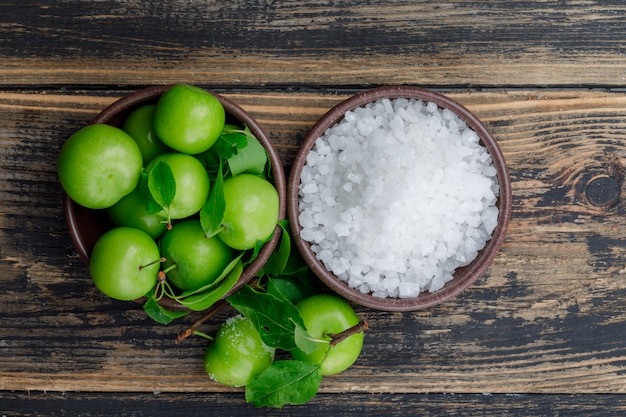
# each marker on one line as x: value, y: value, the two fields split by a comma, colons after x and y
x: 463, y: 276
x: 86, y: 225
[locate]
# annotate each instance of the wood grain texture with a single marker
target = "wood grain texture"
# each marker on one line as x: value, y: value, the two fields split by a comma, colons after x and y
x: 53, y: 404
x: 268, y: 42
x: 546, y: 318
x: 541, y: 333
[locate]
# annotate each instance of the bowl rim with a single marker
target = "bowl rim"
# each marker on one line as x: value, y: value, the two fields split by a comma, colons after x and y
x: 472, y: 271
x: 112, y: 114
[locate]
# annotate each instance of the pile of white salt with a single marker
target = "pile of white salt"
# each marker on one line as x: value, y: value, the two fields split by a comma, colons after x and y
x: 396, y: 196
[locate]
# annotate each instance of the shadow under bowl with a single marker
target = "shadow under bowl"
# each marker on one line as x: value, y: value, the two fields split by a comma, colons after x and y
x: 87, y: 225
x: 463, y: 276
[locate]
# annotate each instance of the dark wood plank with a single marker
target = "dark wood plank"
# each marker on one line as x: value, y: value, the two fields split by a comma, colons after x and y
x: 548, y: 316
x: 69, y: 404
x: 314, y: 43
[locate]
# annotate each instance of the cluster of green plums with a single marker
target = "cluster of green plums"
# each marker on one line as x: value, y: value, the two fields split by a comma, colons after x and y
x: 121, y: 169
x: 238, y: 354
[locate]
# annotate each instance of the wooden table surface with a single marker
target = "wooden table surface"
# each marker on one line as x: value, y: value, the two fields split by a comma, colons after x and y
x: 543, y: 332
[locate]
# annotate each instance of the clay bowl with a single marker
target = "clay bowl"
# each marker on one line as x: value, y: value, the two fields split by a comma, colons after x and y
x: 463, y: 276
x: 86, y: 225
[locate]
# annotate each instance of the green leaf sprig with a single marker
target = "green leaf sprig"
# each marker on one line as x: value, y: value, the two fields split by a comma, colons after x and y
x: 162, y: 184
x: 276, y: 318
x: 158, y: 186
x: 212, y: 212
x: 284, y: 382
x: 241, y: 150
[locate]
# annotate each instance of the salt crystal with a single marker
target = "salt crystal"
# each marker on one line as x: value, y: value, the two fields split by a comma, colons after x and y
x: 306, y: 219
x: 354, y: 177
x: 387, y: 104
x: 490, y: 219
x: 408, y: 290
x: 310, y: 188
x: 341, y: 229
x: 307, y: 234
x: 323, y: 148
x: 436, y: 284
x: 312, y: 158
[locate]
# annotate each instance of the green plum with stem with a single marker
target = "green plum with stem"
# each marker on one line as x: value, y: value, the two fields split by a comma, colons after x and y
x: 124, y: 263
x: 191, y: 259
x: 325, y: 315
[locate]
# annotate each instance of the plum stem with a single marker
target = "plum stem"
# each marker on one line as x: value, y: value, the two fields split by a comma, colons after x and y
x: 160, y: 260
x: 169, y: 268
x: 184, y: 334
x: 339, y: 337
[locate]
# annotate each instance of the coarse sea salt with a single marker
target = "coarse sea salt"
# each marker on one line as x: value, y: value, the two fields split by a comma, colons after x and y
x: 396, y: 196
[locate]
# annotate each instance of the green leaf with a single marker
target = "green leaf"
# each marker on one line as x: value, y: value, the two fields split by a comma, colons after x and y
x: 290, y: 288
x: 212, y: 213
x: 202, y: 301
x: 230, y: 141
x: 275, y: 318
x: 211, y: 161
x: 162, y: 184
x: 151, y: 206
x: 309, y: 344
x: 284, y: 382
x: 241, y: 149
x: 295, y: 265
x: 159, y: 313
x: 250, y: 159
x: 252, y: 254
x: 278, y: 260
x: 210, y: 286
x: 231, y: 128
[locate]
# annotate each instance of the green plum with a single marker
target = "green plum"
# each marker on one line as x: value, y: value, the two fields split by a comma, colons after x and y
x: 251, y: 211
x: 139, y: 124
x: 192, y: 183
x: 238, y: 354
x: 124, y: 263
x: 98, y: 165
x: 199, y: 260
x: 189, y: 119
x: 324, y: 315
x: 133, y: 210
